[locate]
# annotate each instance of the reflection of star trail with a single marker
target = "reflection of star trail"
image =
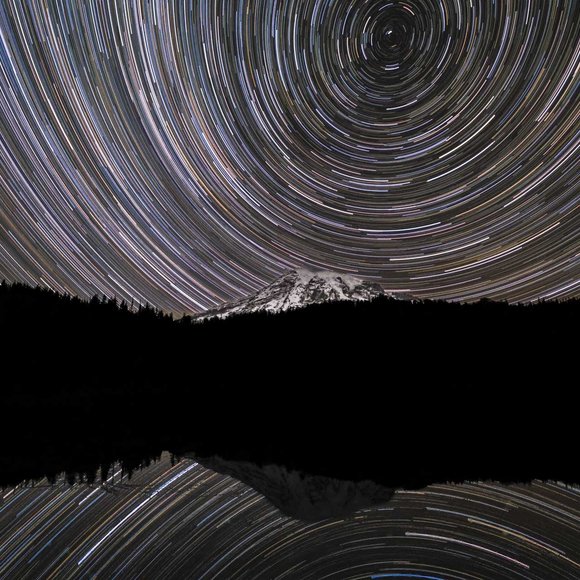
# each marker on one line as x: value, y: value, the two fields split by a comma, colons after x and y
x: 135, y: 510
x: 185, y: 153
x: 186, y: 521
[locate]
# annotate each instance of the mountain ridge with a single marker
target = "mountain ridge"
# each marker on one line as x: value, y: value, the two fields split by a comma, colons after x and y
x: 301, y: 495
x: 298, y: 288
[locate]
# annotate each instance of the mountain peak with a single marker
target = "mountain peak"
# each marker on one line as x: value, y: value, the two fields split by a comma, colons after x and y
x: 299, y: 288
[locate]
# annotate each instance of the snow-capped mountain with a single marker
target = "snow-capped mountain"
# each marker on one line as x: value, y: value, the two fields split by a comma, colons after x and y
x: 300, y: 495
x: 299, y: 288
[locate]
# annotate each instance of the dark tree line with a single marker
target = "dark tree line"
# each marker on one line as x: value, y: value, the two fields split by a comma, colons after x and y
x: 403, y: 392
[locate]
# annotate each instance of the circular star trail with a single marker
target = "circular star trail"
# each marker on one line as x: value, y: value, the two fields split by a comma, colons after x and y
x: 189, y: 522
x: 187, y: 153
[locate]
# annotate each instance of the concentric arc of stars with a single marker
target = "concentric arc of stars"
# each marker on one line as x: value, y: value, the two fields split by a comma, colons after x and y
x: 187, y: 153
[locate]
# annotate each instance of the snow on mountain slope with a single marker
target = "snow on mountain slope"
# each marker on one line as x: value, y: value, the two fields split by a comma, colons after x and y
x: 299, y: 288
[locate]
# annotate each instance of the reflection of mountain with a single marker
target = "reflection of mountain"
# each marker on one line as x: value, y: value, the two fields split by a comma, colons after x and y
x: 410, y: 392
x: 299, y: 288
x: 300, y: 495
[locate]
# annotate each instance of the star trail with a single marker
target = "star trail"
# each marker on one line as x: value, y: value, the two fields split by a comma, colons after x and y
x: 189, y: 522
x: 187, y: 153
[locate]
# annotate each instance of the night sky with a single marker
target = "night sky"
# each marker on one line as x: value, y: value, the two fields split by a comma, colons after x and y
x: 187, y: 153
x: 188, y: 522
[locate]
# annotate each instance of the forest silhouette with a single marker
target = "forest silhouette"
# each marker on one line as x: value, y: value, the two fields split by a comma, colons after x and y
x: 402, y: 392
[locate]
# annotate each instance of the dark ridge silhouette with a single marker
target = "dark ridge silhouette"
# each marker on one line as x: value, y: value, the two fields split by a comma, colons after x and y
x: 402, y: 393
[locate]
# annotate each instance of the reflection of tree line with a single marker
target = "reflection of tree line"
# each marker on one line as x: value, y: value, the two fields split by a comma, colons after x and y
x: 88, y: 383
